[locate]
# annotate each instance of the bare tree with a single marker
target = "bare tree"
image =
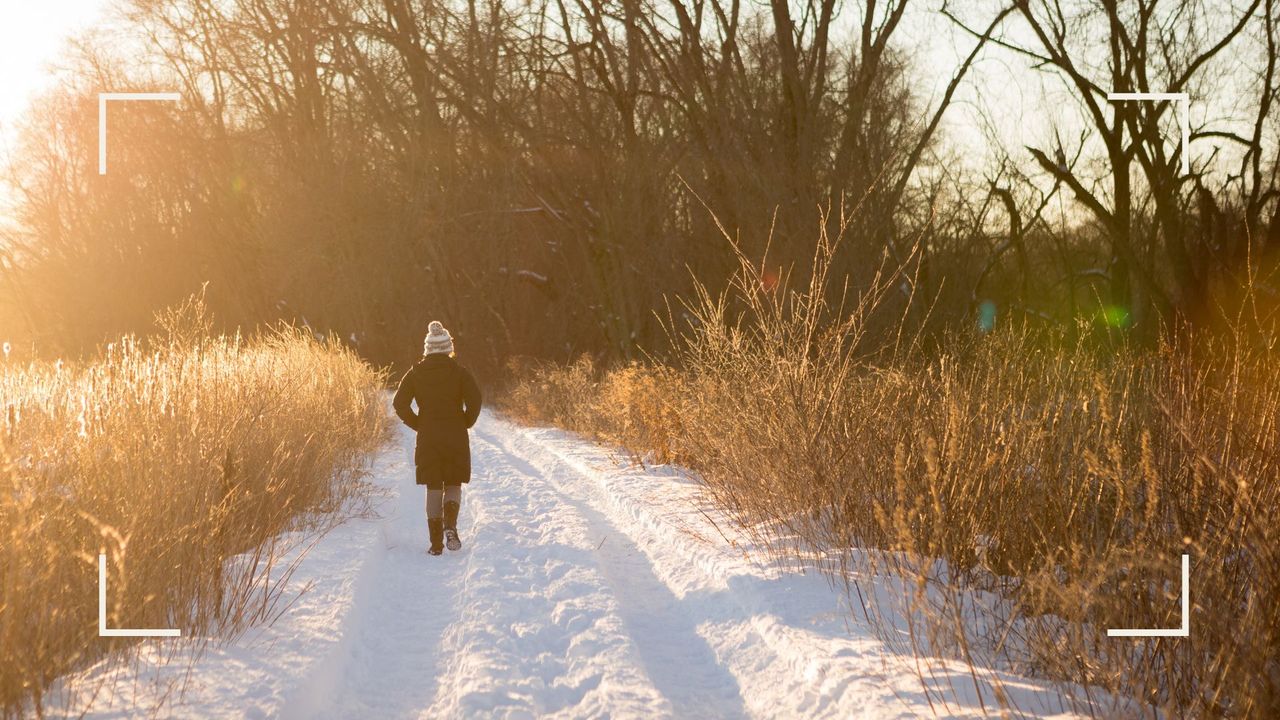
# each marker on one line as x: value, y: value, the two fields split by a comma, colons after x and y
x: 1148, y: 46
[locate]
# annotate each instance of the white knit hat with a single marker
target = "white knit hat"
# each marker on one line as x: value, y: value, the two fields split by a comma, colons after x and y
x: 438, y: 340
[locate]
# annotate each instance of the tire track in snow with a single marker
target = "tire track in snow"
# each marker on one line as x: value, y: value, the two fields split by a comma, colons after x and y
x: 385, y: 662
x: 539, y: 634
x: 680, y: 662
x: 751, y: 617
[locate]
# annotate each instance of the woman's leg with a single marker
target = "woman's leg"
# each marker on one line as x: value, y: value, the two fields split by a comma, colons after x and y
x: 452, y: 494
x: 435, y: 509
x: 435, y: 503
x: 452, y: 499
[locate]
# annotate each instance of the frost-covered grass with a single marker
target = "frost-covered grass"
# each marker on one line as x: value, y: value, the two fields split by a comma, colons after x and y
x: 170, y: 455
x: 1064, y: 476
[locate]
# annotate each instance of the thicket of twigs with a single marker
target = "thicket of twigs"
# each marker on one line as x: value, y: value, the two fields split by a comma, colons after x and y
x: 521, y: 170
x: 181, y: 457
x: 1065, y: 473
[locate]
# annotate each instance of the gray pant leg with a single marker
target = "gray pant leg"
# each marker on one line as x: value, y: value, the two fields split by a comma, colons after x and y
x: 435, y: 504
x: 452, y: 493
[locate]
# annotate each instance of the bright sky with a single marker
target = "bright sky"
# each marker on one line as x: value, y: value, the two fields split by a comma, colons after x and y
x: 31, y: 34
x: 1022, y: 105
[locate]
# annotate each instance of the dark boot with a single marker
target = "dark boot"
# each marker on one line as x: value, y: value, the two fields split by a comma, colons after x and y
x: 436, y: 526
x: 451, y: 526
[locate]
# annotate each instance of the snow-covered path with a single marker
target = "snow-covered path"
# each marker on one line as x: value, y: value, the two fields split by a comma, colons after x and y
x: 585, y: 588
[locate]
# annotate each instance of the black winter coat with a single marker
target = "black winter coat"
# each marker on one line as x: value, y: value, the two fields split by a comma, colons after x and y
x: 448, y: 401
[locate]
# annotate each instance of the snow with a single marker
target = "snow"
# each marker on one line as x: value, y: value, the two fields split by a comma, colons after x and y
x: 586, y: 587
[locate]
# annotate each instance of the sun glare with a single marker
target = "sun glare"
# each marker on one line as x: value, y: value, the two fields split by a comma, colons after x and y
x: 31, y: 33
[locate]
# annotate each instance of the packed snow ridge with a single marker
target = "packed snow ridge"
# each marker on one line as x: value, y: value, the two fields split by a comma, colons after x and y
x: 586, y: 587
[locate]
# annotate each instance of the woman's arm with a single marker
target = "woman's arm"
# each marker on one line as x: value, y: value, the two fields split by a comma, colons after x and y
x: 403, y: 402
x: 470, y: 398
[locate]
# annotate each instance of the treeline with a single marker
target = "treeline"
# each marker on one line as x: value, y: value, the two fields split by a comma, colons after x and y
x: 543, y: 175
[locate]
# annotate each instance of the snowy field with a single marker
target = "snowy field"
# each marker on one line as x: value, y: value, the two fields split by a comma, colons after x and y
x: 586, y: 587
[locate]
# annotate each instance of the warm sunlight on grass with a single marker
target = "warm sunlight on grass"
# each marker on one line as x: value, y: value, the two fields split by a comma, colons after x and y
x: 1059, y: 476
x: 172, y: 455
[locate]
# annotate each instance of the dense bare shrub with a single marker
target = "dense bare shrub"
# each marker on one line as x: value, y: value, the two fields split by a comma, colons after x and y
x: 635, y: 406
x: 1064, y: 474
x: 171, y: 456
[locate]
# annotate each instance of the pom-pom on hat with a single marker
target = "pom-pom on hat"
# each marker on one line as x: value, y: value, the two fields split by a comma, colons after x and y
x: 438, y: 340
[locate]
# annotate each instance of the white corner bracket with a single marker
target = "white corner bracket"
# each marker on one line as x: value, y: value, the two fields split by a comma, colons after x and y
x: 1184, y: 116
x: 103, y: 630
x: 102, y: 118
x: 1184, y: 630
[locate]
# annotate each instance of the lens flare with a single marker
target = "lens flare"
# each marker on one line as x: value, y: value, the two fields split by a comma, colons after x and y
x: 1115, y: 316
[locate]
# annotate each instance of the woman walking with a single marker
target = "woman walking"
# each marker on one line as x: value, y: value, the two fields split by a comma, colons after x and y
x: 448, y: 401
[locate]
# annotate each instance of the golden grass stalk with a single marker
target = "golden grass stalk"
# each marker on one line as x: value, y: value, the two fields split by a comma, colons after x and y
x: 1032, y: 488
x: 173, y: 456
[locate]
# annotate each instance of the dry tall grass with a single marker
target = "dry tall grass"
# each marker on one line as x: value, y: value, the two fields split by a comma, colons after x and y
x: 172, y: 456
x: 1062, y: 478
